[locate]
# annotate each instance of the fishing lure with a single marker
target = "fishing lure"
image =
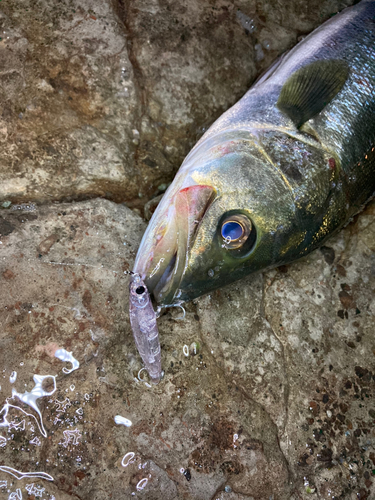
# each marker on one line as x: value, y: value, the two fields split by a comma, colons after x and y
x: 145, y: 330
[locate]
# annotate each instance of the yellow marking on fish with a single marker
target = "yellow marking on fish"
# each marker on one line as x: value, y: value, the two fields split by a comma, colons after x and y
x: 294, y: 241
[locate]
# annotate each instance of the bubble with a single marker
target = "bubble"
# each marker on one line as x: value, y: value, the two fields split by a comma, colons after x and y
x: 13, y: 377
x: 185, y: 350
x: 211, y: 273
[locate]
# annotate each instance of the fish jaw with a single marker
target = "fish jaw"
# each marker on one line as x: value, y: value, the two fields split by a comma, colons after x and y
x: 163, y: 254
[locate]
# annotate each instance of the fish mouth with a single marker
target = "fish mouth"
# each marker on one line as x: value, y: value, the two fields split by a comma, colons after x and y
x: 163, y: 255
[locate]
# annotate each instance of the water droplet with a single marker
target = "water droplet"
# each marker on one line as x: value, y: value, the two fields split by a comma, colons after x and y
x: 211, y: 273
x: 142, y: 484
x: 266, y: 44
x: 259, y: 54
x: 122, y: 421
x: 128, y: 459
x: 246, y: 22
x: 64, y: 355
x: 194, y: 348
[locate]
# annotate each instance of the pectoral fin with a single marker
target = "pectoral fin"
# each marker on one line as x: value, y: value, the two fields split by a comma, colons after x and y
x: 311, y: 88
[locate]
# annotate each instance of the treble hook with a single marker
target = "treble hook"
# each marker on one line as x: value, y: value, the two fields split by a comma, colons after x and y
x: 160, y: 308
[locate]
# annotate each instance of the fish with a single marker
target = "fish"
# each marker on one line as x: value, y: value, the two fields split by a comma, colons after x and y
x: 277, y: 174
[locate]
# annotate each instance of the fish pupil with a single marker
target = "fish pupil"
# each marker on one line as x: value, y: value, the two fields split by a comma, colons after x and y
x: 139, y: 290
x: 232, y: 230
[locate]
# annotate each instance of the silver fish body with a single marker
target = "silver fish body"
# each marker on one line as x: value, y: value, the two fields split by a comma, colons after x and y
x: 275, y: 175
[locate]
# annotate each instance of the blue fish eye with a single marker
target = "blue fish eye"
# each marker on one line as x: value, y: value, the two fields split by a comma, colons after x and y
x: 232, y: 230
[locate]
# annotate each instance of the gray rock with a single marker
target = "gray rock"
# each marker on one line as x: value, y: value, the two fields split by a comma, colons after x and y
x: 106, y: 98
x: 268, y: 390
x: 275, y: 400
x: 68, y: 101
x: 299, y: 342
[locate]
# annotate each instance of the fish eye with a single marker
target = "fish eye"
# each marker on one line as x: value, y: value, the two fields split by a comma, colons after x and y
x: 139, y: 290
x: 232, y: 230
x: 237, y: 232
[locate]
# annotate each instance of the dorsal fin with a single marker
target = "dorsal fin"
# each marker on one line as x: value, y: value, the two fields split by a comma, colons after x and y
x: 311, y: 88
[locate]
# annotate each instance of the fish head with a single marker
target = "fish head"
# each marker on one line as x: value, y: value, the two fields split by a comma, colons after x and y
x: 227, y: 213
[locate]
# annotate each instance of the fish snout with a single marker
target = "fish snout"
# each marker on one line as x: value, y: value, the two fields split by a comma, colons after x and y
x: 163, y: 255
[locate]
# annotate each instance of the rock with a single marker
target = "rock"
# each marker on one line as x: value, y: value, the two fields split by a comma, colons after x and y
x: 268, y: 389
x: 302, y: 350
x: 68, y: 101
x: 63, y: 311
x: 106, y: 98
x: 279, y: 387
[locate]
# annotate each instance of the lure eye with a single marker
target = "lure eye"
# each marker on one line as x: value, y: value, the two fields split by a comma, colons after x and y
x: 235, y: 231
x: 232, y: 230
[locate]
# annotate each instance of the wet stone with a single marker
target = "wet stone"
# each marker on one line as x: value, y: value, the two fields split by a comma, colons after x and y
x: 105, y: 98
x: 273, y: 392
x: 268, y: 390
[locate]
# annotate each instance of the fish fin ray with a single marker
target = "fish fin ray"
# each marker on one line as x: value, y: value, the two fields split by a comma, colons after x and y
x: 311, y: 88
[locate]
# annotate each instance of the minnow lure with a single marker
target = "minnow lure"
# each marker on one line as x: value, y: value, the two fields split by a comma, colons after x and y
x: 145, y: 330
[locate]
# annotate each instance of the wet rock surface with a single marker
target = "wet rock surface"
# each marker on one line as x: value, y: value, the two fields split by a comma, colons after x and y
x: 269, y: 383
x: 106, y: 98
